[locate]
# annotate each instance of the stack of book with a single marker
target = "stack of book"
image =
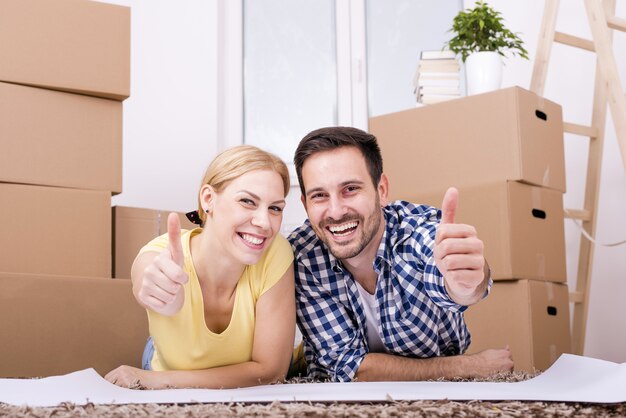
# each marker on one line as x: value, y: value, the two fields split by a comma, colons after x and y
x: 437, y: 78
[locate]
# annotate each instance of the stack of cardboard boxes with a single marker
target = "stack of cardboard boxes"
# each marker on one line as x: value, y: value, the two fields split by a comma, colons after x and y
x: 504, y: 152
x: 65, y: 70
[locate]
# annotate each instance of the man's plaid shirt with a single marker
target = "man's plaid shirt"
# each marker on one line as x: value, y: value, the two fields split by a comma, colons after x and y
x: 417, y: 316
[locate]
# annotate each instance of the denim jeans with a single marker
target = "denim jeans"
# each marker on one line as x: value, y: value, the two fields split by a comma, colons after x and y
x: 148, y: 353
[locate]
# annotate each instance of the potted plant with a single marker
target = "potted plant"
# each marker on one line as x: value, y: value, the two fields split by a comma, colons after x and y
x: 481, y: 39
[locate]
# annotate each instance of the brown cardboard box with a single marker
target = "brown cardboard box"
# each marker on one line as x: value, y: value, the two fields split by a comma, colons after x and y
x: 521, y: 226
x: 132, y: 229
x: 532, y: 317
x: 49, y: 230
x: 59, y: 139
x: 72, y: 45
x: 55, y: 325
x: 509, y: 134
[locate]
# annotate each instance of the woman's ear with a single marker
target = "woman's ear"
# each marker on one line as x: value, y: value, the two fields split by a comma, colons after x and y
x: 207, y: 198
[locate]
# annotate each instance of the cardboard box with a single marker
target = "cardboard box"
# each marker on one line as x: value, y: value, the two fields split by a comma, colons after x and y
x: 522, y: 227
x: 49, y: 230
x: 55, y: 325
x: 531, y: 317
x: 59, y: 139
x: 509, y: 134
x: 132, y: 229
x: 72, y: 45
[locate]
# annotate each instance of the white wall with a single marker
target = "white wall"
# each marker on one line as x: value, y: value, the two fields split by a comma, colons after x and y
x: 170, y: 131
x: 570, y: 83
x: 170, y: 117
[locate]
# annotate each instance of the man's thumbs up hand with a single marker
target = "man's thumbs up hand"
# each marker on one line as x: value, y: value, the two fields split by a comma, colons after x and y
x: 449, y: 205
x: 459, y: 254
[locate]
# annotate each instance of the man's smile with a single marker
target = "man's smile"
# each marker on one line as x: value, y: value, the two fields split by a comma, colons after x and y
x: 341, y: 230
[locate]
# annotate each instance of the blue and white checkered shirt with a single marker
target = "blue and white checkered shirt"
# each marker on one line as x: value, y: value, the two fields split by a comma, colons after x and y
x: 417, y: 316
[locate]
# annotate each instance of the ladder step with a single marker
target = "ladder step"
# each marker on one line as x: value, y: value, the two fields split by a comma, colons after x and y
x: 576, y: 297
x: 581, y: 214
x: 574, y: 41
x: 616, y: 23
x: 582, y: 130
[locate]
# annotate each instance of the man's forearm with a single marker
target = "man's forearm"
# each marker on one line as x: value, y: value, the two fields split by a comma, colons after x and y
x: 389, y: 367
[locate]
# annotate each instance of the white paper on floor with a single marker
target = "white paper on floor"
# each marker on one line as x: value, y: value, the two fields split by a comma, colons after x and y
x: 570, y: 379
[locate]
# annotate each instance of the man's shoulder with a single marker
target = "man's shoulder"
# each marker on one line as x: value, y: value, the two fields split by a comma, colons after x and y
x: 303, y: 239
x: 403, y: 214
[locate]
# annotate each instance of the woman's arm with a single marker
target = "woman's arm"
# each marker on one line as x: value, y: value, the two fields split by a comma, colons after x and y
x: 273, y: 345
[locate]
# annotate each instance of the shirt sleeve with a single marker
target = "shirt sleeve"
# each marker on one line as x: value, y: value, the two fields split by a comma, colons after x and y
x: 334, y: 345
x: 157, y: 244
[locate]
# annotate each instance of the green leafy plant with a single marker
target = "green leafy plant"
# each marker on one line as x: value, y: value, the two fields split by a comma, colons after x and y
x: 482, y: 29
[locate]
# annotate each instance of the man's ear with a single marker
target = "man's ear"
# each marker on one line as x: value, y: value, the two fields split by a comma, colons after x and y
x: 303, y: 200
x: 383, y: 190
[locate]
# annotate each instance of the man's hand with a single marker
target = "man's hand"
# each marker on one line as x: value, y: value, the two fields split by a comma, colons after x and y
x: 161, y: 287
x: 459, y: 255
x: 491, y: 361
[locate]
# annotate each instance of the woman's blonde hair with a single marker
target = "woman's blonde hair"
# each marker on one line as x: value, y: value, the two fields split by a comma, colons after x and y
x: 236, y: 161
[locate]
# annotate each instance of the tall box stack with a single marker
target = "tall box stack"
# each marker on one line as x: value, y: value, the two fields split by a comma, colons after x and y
x: 503, y: 150
x: 64, y: 73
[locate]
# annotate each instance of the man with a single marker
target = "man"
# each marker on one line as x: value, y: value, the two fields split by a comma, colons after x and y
x: 381, y: 287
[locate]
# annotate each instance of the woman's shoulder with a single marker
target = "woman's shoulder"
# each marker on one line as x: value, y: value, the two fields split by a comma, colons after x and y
x: 278, y: 251
x: 280, y: 243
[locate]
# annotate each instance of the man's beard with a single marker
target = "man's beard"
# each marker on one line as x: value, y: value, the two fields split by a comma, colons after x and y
x: 351, y: 249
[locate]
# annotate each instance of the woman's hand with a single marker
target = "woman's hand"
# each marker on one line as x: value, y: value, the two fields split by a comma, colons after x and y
x: 158, y: 278
x: 131, y: 377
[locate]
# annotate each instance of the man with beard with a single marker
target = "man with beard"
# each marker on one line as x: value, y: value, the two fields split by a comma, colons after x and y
x: 381, y: 287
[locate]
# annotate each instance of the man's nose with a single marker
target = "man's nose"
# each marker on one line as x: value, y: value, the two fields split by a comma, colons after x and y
x: 336, y: 208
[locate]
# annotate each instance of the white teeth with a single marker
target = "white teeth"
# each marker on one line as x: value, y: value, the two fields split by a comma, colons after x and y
x: 251, y: 239
x: 340, y: 228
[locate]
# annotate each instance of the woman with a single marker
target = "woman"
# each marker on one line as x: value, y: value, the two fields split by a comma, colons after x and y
x: 220, y: 299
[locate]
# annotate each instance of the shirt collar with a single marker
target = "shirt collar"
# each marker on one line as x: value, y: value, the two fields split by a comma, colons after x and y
x: 384, y: 253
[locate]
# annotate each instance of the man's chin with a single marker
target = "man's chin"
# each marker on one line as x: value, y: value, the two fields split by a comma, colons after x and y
x: 343, y: 252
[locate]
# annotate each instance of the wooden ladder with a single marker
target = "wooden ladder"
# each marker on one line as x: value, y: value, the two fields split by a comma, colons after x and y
x: 601, y: 16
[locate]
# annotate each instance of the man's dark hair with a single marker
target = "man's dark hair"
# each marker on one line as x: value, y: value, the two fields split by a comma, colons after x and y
x: 327, y: 139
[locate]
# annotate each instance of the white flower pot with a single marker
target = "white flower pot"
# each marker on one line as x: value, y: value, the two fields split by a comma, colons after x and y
x: 483, y: 71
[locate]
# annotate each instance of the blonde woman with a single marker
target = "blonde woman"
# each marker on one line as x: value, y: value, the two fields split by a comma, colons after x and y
x: 220, y: 299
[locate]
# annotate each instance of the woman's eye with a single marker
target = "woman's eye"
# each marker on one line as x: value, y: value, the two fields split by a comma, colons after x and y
x: 277, y: 209
x: 247, y: 201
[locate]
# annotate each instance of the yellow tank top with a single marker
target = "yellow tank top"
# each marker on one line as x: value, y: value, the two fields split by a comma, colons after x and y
x: 183, y: 341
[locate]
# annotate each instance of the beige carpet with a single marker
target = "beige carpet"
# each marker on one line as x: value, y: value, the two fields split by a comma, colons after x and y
x: 298, y: 409
x: 388, y: 409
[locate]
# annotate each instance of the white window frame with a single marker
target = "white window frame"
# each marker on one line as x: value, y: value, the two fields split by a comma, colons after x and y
x: 351, y: 69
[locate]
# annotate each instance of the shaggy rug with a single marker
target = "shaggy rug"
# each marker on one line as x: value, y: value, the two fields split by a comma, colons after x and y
x: 278, y: 409
x: 300, y: 409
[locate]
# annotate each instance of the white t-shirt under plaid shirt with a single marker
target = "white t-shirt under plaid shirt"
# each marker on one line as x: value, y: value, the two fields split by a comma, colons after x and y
x: 417, y: 316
